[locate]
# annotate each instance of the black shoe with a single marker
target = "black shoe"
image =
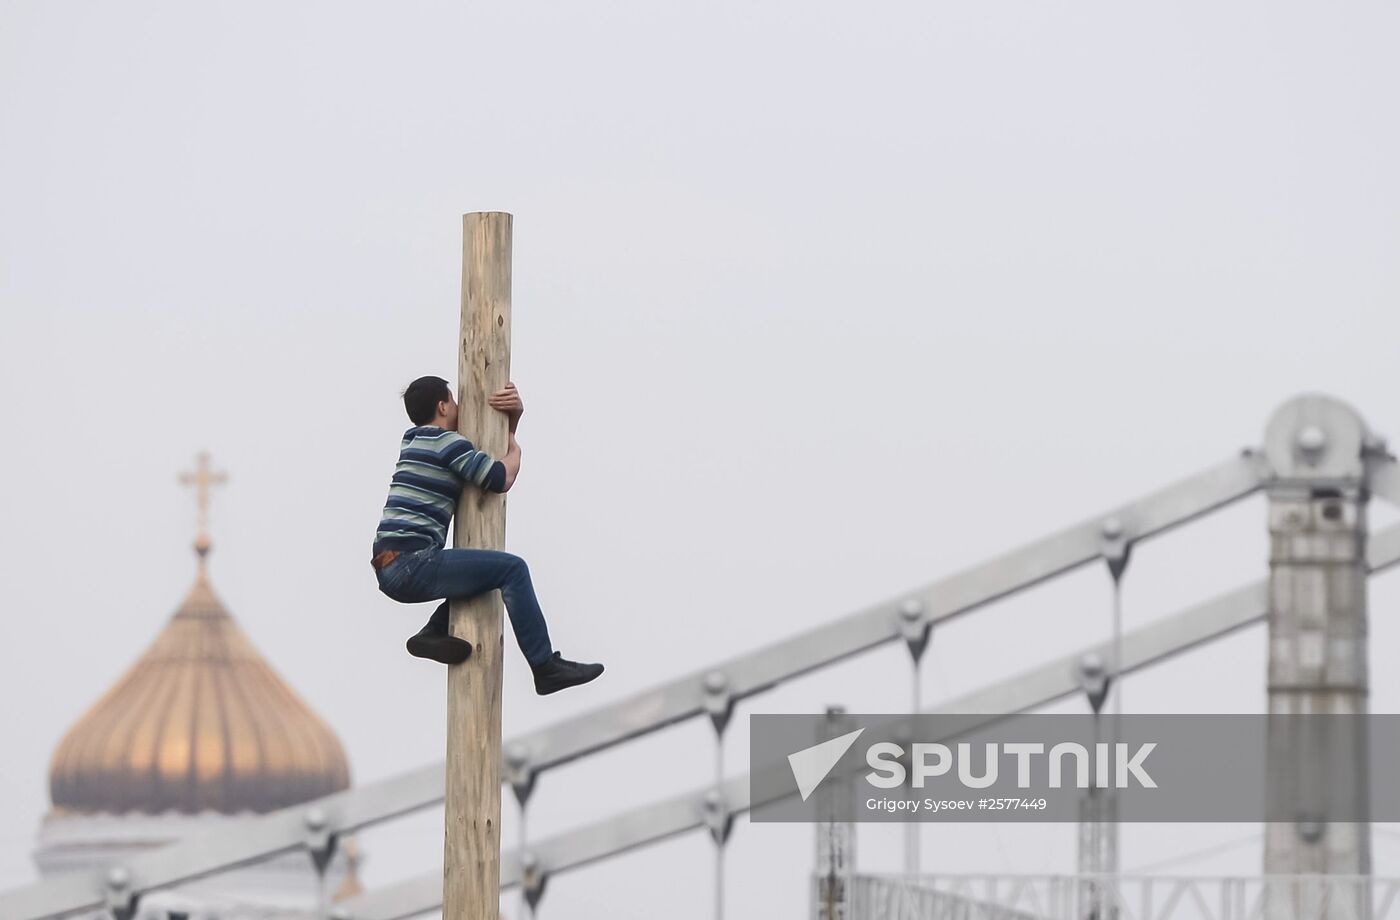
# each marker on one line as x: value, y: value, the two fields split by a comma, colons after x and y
x: 433, y: 642
x: 558, y: 673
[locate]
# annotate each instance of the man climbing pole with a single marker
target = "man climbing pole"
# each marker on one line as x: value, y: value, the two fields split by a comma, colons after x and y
x: 410, y: 557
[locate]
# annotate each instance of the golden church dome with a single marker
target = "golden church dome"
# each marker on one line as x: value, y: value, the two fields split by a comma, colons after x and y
x: 201, y: 722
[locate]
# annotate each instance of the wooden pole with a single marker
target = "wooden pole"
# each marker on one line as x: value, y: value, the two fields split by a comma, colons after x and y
x: 471, y: 882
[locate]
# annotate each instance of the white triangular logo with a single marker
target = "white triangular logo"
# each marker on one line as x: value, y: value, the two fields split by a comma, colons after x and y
x: 811, y: 765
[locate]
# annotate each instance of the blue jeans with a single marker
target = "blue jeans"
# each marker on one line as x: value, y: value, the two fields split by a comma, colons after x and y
x: 439, y: 573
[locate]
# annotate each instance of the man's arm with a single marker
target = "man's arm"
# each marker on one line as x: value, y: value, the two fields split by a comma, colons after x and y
x: 511, y: 460
x: 503, y: 471
x: 479, y: 468
x: 509, y: 402
x: 473, y: 466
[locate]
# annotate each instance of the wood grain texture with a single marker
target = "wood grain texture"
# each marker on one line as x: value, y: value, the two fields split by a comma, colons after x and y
x: 472, y: 830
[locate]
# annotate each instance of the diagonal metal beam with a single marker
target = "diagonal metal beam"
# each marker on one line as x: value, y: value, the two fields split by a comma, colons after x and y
x: 668, y: 703
x: 570, y: 850
x: 1384, y: 480
x: 1031, y: 689
x: 757, y: 670
x: 229, y: 847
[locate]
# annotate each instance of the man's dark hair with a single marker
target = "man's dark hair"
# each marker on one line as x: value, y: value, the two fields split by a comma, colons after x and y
x: 422, y: 397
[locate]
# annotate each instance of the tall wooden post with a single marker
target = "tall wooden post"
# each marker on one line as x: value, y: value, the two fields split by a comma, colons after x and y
x: 471, y: 882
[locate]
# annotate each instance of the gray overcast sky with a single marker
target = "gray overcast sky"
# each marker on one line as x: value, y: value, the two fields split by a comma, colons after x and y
x: 814, y: 302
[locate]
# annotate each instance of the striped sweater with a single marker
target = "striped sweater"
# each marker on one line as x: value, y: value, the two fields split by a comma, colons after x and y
x: 434, y: 463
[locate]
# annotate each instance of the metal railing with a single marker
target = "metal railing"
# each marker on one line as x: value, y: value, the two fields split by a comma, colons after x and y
x: 703, y: 808
x: 709, y: 691
x: 1132, y: 897
x: 714, y: 691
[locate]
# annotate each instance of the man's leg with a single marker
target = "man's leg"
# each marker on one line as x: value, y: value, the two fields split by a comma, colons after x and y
x: 434, y: 642
x: 466, y: 573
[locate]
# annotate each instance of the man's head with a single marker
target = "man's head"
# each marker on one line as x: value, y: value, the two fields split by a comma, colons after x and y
x: 429, y: 401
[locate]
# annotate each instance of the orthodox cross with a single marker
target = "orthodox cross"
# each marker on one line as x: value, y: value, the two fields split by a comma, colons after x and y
x: 202, y: 478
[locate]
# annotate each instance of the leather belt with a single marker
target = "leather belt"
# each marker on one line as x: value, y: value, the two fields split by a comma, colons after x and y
x: 384, y: 558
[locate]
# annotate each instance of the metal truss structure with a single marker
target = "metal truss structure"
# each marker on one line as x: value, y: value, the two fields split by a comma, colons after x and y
x: 1136, y: 897
x: 1312, y: 442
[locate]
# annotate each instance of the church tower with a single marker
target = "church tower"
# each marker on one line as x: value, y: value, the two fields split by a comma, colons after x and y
x: 199, y: 732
